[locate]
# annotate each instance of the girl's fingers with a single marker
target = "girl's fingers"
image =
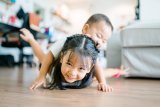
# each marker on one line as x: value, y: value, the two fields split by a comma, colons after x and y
x: 103, y: 88
x: 98, y: 87
x: 110, y: 89
x: 107, y: 89
x: 38, y: 85
x: 32, y: 87
x: 45, y: 84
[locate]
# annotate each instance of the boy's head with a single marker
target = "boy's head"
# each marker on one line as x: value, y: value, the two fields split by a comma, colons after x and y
x: 99, y: 28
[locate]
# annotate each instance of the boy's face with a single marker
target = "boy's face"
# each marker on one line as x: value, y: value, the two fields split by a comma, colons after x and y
x: 100, y: 32
x: 74, y: 67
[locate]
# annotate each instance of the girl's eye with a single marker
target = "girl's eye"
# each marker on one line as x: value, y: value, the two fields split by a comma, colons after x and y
x: 68, y: 63
x: 82, y: 69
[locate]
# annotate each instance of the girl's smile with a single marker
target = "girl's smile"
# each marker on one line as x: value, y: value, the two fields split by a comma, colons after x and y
x: 74, y: 66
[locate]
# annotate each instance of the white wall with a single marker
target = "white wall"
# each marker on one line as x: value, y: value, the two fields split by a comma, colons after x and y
x: 149, y: 10
x: 121, y: 12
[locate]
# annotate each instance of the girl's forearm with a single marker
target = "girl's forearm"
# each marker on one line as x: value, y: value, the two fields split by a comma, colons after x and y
x: 47, y: 64
x: 100, y: 74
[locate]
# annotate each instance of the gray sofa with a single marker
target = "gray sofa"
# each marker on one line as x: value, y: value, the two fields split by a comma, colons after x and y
x: 141, y: 49
x: 114, y: 51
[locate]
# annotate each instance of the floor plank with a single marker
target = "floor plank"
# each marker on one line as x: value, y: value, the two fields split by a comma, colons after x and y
x: 14, y: 92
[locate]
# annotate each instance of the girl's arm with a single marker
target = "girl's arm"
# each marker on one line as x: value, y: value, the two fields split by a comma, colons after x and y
x: 45, y: 68
x: 102, y: 86
x: 28, y: 37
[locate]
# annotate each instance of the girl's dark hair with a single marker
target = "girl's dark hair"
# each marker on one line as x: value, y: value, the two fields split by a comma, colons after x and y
x: 84, y: 46
x: 99, y: 17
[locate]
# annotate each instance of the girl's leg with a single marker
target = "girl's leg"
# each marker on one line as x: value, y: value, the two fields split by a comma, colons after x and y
x: 28, y: 37
x: 116, y: 72
x: 37, y: 50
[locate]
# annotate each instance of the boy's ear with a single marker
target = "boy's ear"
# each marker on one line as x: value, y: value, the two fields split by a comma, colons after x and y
x: 85, y: 28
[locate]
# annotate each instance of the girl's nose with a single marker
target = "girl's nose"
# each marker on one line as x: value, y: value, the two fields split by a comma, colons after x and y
x: 73, y: 73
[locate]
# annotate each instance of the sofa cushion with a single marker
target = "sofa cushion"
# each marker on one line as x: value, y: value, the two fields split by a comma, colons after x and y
x: 141, y: 35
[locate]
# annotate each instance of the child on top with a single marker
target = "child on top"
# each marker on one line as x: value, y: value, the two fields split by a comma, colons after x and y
x: 98, y: 27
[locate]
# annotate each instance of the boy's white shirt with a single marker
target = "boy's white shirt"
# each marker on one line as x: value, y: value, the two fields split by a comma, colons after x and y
x: 57, y: 47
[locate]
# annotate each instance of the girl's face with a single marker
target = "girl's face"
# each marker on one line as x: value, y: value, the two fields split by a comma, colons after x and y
x: 74, y: 67
x: 100, y: 32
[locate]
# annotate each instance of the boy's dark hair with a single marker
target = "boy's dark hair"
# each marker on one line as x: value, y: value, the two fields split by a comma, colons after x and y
x: 99, y: 17
x: 84, y: 46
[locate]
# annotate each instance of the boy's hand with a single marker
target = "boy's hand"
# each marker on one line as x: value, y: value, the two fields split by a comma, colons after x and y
x: 104, y: 87
x: 41, y: 80
x: 26, y: 35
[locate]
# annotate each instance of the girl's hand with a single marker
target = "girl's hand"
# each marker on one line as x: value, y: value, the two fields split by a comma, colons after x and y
x: 41, y: 80
x: 26, y: 35
x: 104, y: 87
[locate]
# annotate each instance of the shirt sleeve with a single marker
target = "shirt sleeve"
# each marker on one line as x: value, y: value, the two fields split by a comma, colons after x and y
x: 57, y: 47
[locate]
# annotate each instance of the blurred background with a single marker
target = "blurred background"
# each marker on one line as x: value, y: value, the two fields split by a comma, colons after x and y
x: 50, y: 20
x: 73, y: 12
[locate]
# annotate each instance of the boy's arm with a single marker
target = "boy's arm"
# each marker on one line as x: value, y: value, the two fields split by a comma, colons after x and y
x: 45, y: 68
x: 28, y: 37
x: 101, y: 78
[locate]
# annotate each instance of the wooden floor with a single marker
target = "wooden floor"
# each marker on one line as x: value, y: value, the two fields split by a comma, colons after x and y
x: 14, y: 92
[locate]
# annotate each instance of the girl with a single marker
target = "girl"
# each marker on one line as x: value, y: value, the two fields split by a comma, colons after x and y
x: 74, y: 66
